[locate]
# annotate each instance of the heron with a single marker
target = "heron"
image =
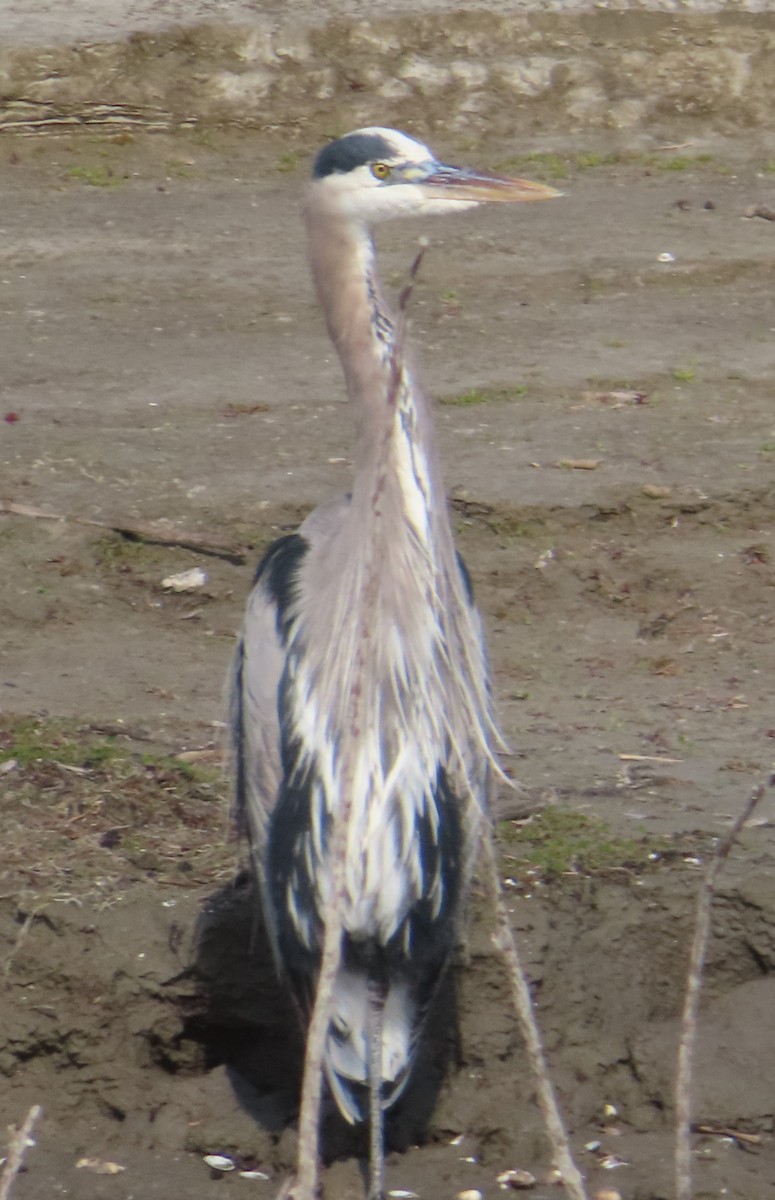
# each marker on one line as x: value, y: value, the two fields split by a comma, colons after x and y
x: 367, y: 609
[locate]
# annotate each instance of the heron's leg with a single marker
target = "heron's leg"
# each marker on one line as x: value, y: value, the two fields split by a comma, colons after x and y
x: 376, y: 1116
x: 306, y: 1186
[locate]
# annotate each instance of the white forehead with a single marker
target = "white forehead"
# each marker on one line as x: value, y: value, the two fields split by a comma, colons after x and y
x: 405, y: 148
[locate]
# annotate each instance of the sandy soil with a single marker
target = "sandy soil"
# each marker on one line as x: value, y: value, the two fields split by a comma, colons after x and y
x: 608, y: 436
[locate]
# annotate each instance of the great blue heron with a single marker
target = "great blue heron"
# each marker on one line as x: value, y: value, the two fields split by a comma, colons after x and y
x: 368, y: 609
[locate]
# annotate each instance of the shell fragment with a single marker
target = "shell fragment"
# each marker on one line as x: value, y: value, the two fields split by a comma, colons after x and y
x: 218, y: 1162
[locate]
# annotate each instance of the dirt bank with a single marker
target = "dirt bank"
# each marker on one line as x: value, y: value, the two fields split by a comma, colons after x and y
x: 497, y: 70
x: 607, y: 432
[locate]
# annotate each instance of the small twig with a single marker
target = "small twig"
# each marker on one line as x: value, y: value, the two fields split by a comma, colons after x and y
x: 18, y: 1142
x: 748, y: 1139
x: 20, y: 938
x: 404, y: 297
x: 652, y: 758
x: 683, y: 1076
x: 506, y: 943
x: 151, y: 531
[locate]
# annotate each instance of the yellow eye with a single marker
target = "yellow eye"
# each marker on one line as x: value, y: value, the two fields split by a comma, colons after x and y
x: 380, y: 170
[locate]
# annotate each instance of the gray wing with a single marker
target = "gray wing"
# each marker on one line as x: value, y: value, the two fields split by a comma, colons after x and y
x: 259, y: 662
x: 257, y: 672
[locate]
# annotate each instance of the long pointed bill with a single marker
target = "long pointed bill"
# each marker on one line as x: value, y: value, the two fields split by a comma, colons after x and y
x: 460, y: 183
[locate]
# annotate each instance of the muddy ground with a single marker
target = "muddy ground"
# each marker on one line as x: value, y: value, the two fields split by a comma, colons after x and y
x: 607, y: 429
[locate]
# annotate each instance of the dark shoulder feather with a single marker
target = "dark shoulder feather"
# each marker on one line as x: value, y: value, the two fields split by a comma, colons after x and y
x: 467, y: 583
x: 278, y: 571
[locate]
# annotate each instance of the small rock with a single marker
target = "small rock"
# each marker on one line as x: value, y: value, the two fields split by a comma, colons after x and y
x: 423, y: 75
x: 517, y: 1179
x: 185, y: 581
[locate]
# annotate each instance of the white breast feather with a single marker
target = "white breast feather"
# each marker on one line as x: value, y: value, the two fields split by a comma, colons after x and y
x: 393, y: 779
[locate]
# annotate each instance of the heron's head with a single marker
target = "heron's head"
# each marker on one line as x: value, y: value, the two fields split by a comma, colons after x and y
x: 374, y: 174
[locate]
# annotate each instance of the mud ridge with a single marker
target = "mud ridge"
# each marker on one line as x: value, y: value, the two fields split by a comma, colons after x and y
x: 513, y: 74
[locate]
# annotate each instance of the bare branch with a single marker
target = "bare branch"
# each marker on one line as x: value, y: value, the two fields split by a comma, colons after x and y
x: 683, y: 1077
x: 18, y: 1142
x: 505, y: 942
x: 158, y: 532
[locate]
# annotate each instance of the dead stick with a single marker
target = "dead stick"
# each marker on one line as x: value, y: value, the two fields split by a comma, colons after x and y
x: 19, y: 1140
x: 506, y: 943
x: 650, y: 758
x: 750, y: 1139
x: 683, y: 1075
x: 141, y: 531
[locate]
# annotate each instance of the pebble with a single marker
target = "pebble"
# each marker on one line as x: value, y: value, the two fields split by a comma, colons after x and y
x: 185, y: 581
x: 516, y: 1179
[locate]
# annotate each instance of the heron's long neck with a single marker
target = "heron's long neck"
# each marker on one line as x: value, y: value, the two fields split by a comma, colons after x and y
x: 362, y: 330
